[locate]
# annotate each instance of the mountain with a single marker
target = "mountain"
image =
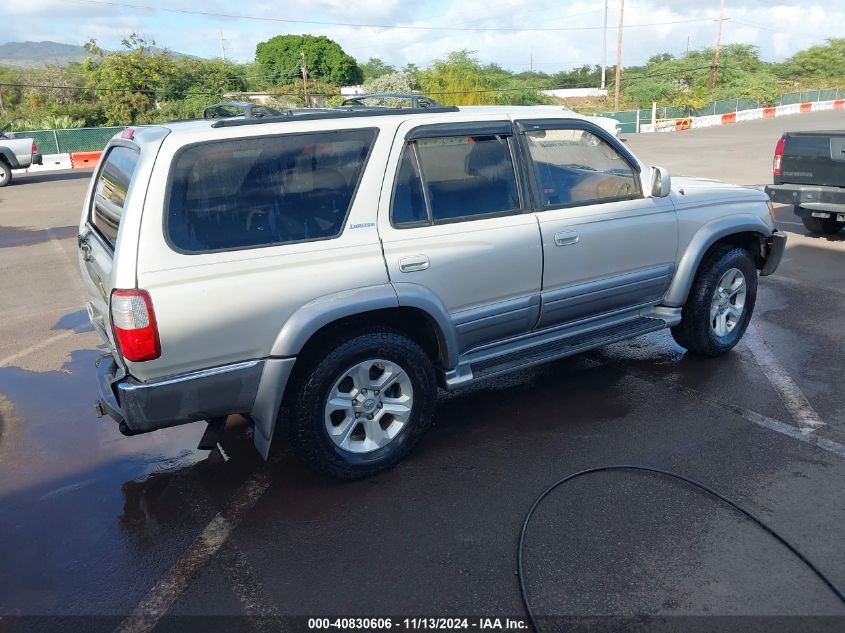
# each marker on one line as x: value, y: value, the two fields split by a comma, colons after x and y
x: 37, y: 54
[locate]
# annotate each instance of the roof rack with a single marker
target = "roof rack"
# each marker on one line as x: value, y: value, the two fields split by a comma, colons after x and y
x: 417, y: 100
x: 313, y: 114
x: 229, y: 109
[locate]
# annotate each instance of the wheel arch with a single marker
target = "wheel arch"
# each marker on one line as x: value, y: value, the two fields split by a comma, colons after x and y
x: 413, y: 311
x: 750, y: 233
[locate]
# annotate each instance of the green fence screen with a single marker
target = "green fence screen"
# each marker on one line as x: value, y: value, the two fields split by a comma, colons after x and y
x: 75, y: 140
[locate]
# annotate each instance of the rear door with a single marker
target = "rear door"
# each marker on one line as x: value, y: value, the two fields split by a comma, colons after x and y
x: 103, y: 214
x: 454, y: 221
x: 606, y: 246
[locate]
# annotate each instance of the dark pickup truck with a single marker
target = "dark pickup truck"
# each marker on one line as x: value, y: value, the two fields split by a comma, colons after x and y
x: 809, y: 173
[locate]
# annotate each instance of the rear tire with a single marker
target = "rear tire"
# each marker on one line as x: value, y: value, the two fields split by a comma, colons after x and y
x: 5, y: 173
x: 360, y: 403
x: 720, y: 302
x: 823, y: 226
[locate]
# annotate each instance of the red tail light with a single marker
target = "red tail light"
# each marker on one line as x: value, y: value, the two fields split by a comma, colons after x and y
x: 134, y: 325
x: 34, y: 147
x: 778, y: 159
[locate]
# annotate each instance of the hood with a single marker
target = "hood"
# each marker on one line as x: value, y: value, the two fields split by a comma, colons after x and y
x: 687, y: 191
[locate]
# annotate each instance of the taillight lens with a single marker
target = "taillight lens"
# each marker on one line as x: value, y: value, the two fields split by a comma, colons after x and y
x: 134, y: 325
x: 34, y: 147
x: 777, y: 162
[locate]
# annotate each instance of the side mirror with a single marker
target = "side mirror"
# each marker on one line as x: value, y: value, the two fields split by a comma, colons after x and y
x: 661, y: 183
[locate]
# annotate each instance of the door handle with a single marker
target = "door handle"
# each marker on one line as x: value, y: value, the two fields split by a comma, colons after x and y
x: 565, y: 238
x: 413, y: 263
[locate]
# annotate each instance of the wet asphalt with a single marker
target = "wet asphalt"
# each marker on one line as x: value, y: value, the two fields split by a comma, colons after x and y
x: 90, y: 520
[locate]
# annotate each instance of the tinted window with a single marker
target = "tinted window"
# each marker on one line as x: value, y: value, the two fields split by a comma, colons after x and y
x: 265, y: 191
x: 575, y: 166
x: 111, y: 191
x: 464, y: 176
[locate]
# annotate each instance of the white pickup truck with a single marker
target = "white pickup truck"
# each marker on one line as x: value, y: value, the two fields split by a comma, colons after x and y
x: 16, y: 153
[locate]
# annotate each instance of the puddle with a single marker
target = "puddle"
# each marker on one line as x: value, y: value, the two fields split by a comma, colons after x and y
x: 11, y: 236
x: 68, y: 480
x: 77, y: 321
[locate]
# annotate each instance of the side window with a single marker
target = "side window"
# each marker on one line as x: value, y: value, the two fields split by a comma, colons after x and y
x: 459, y: 177
x: 264, y: 191
x: 111, y: 191
x: 577, y: 167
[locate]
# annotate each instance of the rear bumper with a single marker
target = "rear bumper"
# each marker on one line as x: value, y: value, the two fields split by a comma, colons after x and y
x: 809, y: 197
x: 776, y: 246
x: 140, y: 407
x: 37, y: 159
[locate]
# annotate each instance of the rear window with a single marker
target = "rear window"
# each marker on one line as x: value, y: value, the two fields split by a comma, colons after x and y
x: 111, y: 191
x: 265, y: 191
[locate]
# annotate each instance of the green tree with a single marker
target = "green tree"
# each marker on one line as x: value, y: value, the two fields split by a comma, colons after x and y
x: 826, y: 61
x: 324, y: 58
x: 128, y: 83
x: 374, y: 68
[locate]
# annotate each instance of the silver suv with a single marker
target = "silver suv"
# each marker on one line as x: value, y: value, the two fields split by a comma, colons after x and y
x: 323, y: 273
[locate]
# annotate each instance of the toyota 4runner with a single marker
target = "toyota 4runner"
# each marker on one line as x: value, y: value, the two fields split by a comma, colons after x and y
x: 323, y: 273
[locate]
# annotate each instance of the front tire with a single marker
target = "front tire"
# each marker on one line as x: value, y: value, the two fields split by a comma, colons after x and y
x: 361, y: 403
x: 5, y: 173
x: 720, y: 303
x: 823, y: 226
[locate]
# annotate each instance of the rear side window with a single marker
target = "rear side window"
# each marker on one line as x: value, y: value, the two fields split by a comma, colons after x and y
x: 455, y: 178
x: 264, y: 191
x: 111, y: 191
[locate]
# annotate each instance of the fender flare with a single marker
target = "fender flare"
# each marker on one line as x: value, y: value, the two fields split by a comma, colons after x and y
x: 312, y: 316
x: 322, y: 311
x: 10, y: 157
x: 704, y: 238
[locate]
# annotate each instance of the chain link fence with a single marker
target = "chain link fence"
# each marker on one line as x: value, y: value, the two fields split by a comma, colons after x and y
x: 91, y: 139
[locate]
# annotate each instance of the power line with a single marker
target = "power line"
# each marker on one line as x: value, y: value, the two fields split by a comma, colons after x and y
x: 241, y: 16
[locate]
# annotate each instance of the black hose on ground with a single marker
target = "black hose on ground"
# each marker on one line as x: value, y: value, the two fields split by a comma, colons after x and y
x: 629, y: 467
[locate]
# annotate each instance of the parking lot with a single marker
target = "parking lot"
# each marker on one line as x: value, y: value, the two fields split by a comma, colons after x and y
x: 94, y: 523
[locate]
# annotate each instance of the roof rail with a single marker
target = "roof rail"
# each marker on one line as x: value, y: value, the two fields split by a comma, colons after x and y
x: 350, y: 113
x: 417, y: 100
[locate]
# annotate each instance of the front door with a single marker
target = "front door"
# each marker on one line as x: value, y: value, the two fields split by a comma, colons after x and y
x: 457, y: 226
x: 607, y: 247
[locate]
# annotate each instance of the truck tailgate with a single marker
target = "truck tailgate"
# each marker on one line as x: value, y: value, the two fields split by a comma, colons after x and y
x: 814, y: 158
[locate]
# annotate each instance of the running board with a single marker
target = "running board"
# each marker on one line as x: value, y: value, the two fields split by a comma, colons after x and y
x: 542, y: 348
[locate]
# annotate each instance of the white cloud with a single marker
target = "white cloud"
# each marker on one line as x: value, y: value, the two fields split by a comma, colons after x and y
x: 778, y: 29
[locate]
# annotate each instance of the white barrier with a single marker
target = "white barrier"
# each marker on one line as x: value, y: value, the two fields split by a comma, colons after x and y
x: 51, y: 162
x: 751, y: 115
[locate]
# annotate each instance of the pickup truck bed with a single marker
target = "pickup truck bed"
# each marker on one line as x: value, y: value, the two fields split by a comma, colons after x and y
x: 809, y: 173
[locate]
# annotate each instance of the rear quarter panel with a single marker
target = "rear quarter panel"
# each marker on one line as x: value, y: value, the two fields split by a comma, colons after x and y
x: 223, y: 307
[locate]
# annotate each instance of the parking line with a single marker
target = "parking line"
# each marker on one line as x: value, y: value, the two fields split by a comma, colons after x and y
x: 791, y: 395
x: 753, y: 416
x: 165, y: 592
x: 34, y: 348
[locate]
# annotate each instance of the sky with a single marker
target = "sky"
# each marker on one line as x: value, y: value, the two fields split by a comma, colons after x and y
x: 548, y: 35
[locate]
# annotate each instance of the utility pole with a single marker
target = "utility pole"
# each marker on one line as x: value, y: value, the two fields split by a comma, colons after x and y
x: 715, y: 63
x: 222, y: 46
x: 604, y: 50
x: 304, y: 69
x: 619, y: 54
x: 531, y: 60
